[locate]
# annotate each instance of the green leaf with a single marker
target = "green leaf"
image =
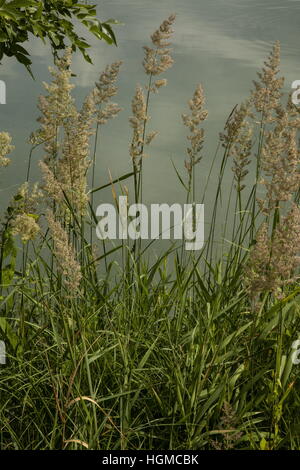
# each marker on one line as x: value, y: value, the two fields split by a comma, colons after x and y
x: 21, y: 3
x: 110, y: 32
x: 52, y: 20
x: 23, y: 59
x: 263, y: 444
x: 121, y: 178
x: 8, y: 15
x: 8, y: 333
x: 39, y: 11
x: 178, y: 176
x: 112, y: 21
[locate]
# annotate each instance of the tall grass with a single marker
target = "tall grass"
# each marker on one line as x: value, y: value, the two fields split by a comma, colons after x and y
x: 184, y: 352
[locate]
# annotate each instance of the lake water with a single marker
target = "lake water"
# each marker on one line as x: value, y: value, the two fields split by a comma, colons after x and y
x: 220, y: 43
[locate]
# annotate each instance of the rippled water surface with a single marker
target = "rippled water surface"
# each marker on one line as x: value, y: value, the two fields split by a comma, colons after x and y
x: 220, y: 43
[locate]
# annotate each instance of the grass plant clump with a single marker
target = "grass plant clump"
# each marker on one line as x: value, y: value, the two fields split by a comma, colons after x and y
x: 192, y: 350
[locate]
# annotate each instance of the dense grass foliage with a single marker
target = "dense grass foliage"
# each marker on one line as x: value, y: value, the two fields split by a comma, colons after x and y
x: 117, y: 350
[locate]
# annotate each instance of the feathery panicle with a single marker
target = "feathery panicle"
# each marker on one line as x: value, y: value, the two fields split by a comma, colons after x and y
x: 158, y: 84
x: 137, y: 123
x: 36, y: 137
x: 228, y: 424
x: 158, y: 59
x: 66, y: 132
x: 65, y: 256
x: 58, y: 106
x: 106, y: 86
x: 28, y: 199
x: 237, y: 139
x: 50, y: 185
x: 192, y: 122
x: 234, y: 123
x: 105, y: 89
x: 150, y: 137
x: 257, y: 270
x: 110, y: 111
x: 26, y: 226
x: 71, y: 168
x: 280, y: 163
x: 5, y: 148
x: 293, y: 112
x: 267, y: 91
x: 24, y: 222
x: 274, y: 260
x: 240, y: 152
x: 285, y: 246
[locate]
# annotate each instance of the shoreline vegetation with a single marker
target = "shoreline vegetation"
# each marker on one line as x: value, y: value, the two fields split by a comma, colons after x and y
x: 192, y: 350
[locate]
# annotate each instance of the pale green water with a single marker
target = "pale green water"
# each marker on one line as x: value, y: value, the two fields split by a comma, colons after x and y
x: 220, y: 43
